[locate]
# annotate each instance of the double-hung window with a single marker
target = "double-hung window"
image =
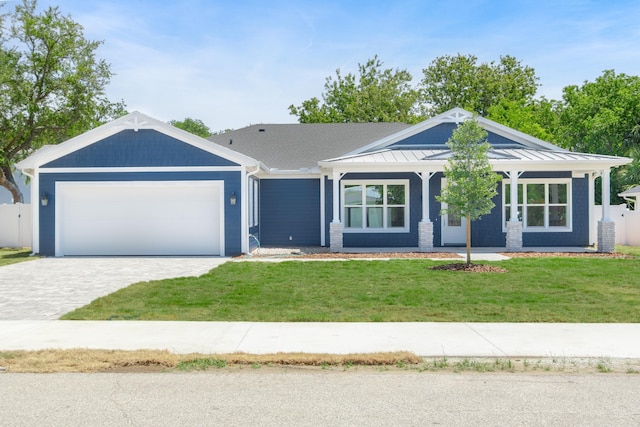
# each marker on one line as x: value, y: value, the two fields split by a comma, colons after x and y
x: 543, y: 205
x: 375, y: 205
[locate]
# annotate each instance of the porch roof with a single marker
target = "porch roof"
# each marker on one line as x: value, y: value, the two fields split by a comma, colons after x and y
x: 500, y: 158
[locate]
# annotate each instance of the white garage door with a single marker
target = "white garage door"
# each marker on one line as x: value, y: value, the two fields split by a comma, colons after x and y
x: 139, y: 218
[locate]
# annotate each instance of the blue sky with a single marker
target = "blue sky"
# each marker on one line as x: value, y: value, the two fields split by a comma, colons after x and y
x: 234, y: 63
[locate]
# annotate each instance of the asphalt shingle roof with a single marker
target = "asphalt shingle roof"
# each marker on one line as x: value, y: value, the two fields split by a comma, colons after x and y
x: 296, y: 146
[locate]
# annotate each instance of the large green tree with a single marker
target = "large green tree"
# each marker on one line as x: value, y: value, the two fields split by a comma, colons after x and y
x: 194, y: 126
x: 460, y: 81
x: 539, y: 117
x: 374, y: 95
x: 52, y: 85
x: 603, y: 117
x: 471, y: 181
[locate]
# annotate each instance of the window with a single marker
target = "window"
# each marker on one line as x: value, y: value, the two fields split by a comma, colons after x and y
x: 542, y: 204
x: 379, y: 205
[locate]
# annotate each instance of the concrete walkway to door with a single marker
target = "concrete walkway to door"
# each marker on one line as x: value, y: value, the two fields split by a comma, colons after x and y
x: 47, y: 288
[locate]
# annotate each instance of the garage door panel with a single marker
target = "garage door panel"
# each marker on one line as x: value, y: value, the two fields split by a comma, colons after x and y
x: 139, y: 218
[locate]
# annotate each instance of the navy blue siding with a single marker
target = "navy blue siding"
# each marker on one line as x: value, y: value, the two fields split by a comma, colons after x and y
x: 232, y: 184
x: 145, y: 147
x: 290, y: 207
x: 438, y: 136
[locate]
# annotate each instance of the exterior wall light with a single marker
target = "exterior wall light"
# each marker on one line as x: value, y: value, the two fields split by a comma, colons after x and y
x: 44, y: 199
x: 233, y: 199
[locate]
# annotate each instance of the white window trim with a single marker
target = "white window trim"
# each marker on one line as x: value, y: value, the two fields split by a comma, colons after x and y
x: 546, y: 228
x: 385, y: 229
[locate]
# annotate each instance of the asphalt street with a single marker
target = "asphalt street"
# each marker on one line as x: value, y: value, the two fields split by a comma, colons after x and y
x: 301, y: 397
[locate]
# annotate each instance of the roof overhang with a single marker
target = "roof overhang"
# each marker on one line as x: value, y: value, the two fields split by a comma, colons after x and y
x: 501, y: 160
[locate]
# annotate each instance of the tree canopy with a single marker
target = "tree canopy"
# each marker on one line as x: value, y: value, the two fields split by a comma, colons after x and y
x: 194, y: 126
x: 471, y: 182
x: 52, y: 85
x: 460, y: 81
x: 374, y: 95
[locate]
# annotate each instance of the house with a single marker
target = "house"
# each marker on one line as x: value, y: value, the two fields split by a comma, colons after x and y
x: 138, y: 186
x: 632, y: 195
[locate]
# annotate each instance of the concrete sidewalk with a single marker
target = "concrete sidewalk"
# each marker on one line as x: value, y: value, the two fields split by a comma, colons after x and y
x: 424, y: 339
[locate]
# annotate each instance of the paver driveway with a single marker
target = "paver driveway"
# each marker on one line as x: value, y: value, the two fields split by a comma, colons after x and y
x: 47, y: 288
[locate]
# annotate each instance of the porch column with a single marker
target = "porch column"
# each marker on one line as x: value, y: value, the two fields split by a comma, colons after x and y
x: 425, y: 226
x: 514, y: 226
x: 606, y: 227
x: 336, y: 227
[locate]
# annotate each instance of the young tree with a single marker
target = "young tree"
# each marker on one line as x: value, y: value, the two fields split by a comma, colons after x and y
x: 375, y: 95
x: 471, y: 182
x: 459, y: 81
x: 52, y: 86
x: 194, y: 126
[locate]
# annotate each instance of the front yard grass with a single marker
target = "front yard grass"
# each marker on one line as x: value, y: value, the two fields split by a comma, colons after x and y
x: 12, y: 256
x: 628, y: 250
x: 561, y: 289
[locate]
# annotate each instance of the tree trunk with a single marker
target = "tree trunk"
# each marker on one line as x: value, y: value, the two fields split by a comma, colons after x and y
x: 468, y: 240
x: 8, y: 182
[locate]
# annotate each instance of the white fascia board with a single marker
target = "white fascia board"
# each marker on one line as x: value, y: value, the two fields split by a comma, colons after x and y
x: 497, y: 165
x: 144, y: 169
x: 566, y: 165
x: 385, y: 167
x: 290, y: 174
x: 134, y: 121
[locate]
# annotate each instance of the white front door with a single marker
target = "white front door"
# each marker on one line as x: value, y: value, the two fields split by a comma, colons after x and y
x: 454, y: 228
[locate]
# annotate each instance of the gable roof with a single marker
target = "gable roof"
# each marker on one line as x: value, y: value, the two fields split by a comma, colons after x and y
x: 134, y: 121
x: 296, y: 146
x: 455, y: 116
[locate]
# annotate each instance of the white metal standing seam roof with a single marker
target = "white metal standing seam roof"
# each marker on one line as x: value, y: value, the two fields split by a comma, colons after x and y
x: 496, y: 156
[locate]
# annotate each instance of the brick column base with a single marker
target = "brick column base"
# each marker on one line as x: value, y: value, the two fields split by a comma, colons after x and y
x: 425, y: 236
x: 606, y: 236
x: 335, y: 236
x: 514, y: 236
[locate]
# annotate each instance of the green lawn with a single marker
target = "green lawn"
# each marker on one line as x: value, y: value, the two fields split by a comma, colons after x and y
x: 628, y: 250
x: 11, y: 256
x: 533, y: 290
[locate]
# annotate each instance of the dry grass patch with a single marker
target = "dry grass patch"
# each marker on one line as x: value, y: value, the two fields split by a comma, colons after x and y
x: 85, y: 360
x: 144, y: 361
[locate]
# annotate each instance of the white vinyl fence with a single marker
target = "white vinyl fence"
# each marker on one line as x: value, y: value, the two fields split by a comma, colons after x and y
x: 15, y: 226
x: 627, y: 224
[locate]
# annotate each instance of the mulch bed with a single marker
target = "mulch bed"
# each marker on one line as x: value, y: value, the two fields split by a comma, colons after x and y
x: 469, y: 268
